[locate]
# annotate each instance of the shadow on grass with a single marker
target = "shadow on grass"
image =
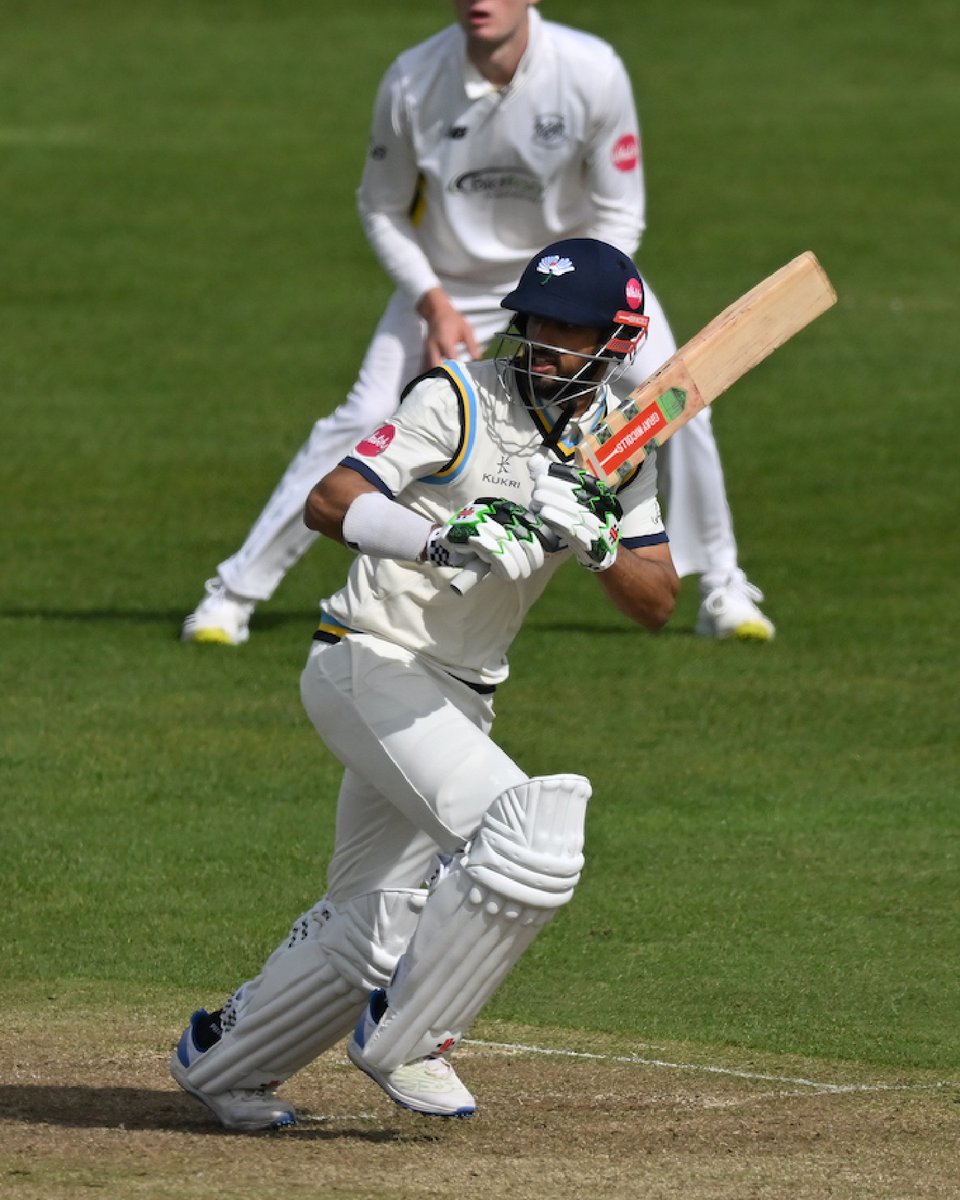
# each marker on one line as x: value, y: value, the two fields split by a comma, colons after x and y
x: 596, y: 629
x: 263, y: 622
x: 129, y: 1108
x: 172, y: 617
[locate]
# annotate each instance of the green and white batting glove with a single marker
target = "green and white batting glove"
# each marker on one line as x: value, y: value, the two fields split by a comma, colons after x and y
x: 500, y: 532
x: 581, y: 510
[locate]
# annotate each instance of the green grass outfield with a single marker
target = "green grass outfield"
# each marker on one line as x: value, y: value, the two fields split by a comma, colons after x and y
x: 773, y: 843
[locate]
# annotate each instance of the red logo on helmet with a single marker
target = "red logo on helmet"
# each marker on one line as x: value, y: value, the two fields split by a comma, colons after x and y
x: 634, y: 293
x: 378, y: 441
x: 626, y: 153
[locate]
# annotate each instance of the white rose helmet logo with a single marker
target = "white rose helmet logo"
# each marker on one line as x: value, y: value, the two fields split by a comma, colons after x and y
x: 552, y: 265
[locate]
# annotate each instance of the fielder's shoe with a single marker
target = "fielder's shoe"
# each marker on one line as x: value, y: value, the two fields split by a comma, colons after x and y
x: 427, y: 1085
x: 221, y: 618
x: 730, y: 610
x: 244, y: 1109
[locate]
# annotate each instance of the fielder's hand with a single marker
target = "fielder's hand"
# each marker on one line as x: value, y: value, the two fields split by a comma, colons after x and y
x: 500, y: 532
x: 581, y: 510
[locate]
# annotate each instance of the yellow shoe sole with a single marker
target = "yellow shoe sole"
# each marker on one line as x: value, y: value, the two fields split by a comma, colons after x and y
x: 752, y: 631
x: 211, y: 637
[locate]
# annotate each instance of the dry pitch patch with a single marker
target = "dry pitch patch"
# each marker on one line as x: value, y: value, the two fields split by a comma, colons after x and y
x: 87, y: 1108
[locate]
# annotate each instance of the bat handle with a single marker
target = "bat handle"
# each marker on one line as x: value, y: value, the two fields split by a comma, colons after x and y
x: 539, y: 464
x: 472, y: 573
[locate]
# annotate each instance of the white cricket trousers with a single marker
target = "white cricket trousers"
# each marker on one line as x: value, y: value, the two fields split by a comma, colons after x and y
x: 698, y: 518
x: 421, y: 768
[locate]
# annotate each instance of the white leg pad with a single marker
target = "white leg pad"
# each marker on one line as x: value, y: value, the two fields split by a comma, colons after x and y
x: 310, y: 991
x: 481, y: 916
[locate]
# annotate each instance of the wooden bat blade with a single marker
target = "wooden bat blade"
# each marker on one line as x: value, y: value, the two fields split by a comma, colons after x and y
x: 734, y: 342
x: 743, y: 335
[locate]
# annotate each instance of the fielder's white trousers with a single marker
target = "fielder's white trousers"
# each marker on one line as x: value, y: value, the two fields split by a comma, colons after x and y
x: 421, y: 768
x: 698, y: 516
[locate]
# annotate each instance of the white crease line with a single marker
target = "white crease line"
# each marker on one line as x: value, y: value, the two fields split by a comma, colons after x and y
x: 733, y: 1071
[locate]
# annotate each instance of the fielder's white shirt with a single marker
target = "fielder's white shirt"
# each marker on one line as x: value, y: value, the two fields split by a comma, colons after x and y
x: 464, y: 183
x: 460, y: 435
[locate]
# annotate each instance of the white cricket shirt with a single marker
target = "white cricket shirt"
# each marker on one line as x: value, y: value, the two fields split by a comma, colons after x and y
x: 463, y: 183
x: 458, y: 436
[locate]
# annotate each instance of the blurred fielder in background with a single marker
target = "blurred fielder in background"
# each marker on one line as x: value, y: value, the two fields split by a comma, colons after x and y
x: 501, y: 133
x: 474, y: 464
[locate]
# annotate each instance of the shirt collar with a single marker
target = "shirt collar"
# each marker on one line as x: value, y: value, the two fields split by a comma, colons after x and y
x: 580, y: 426
x: 545, y: 419
x: 476, y: 85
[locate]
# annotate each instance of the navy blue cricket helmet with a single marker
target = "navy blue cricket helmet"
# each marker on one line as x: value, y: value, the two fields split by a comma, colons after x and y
x: 584, y: 282
x: 581, y: 281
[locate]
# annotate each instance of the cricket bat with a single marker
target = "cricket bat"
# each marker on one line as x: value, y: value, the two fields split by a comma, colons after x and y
x: 743, y: 335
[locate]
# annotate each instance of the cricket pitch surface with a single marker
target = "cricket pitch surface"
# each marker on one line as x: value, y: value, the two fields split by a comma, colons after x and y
x: 87, y: 1108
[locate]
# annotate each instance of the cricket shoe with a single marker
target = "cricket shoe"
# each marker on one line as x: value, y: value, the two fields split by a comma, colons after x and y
x: 246, y: 1110
x: 222, y: 618
x: 730, y: 611
x: 426, y: 1085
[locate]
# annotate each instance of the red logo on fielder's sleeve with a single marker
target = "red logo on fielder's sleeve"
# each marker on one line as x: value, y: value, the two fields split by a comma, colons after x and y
x: 626, y: 152
x: 378, y: 441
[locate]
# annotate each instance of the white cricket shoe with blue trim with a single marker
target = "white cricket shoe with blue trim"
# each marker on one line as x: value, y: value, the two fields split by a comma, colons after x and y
x: 246, y: 1110
x: 427, y: 1085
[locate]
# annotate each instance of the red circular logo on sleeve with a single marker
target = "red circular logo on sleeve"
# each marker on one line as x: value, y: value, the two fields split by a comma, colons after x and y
x: 626, y: 152
x: 378, y: 441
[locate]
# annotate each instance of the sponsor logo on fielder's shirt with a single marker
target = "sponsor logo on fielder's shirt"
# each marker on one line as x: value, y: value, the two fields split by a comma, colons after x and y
x: 378, y: 441
x: 498, y: 183
x: 457, y: 132
x: 626, y: 153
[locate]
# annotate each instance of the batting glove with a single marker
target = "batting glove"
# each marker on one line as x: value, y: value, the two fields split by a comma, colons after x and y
x: 502, y: 533
x: 582, y: 511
